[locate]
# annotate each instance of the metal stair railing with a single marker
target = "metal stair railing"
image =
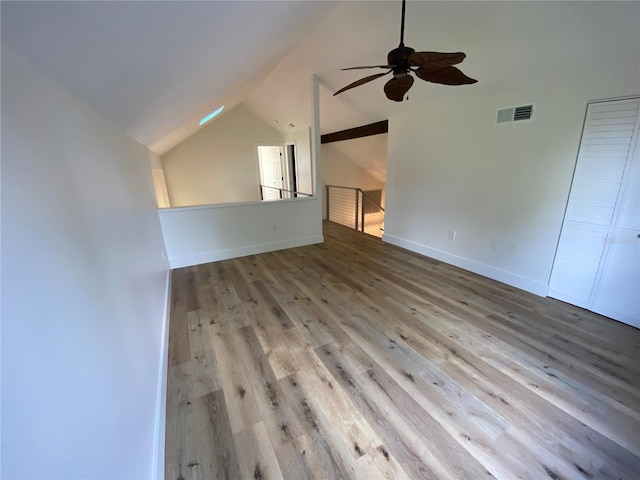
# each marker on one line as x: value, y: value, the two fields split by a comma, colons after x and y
x: 354, y: 208
x: 275, y: 193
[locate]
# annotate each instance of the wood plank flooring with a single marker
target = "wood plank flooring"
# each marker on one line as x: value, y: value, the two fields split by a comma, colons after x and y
x: 357, y: 359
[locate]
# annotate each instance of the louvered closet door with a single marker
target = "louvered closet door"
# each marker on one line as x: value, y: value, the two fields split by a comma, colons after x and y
x: 597, y: 263
x: 617, y: 293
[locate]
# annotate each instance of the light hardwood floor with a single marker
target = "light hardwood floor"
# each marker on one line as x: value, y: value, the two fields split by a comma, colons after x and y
x: 357, y: 359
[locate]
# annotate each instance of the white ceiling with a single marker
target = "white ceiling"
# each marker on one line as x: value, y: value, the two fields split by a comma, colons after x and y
x: 157, y: 67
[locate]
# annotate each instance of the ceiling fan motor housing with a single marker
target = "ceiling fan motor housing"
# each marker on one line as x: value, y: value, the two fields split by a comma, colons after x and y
x: 400, y: 58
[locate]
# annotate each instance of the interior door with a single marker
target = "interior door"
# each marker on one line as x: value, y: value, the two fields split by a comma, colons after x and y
x: 270, y: 163
x: 597, y: 262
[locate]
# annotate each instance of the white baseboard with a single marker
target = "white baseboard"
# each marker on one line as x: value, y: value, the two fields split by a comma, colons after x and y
x: 513, y: 279
x: 243, y: 251
x: 157, y: 466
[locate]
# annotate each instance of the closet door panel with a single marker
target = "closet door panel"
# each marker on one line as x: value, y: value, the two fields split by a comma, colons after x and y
x: 597, y: 263
x: 618, y: 295
x: 617, y: 292
x: 576, y: 264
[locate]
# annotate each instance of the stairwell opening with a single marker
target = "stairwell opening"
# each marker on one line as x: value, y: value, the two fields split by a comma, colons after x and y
x: 354, y: 165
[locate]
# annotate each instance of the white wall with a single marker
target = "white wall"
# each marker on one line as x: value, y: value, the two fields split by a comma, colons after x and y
x: 159, y: 183
x: 218, y: 232
x: 219, y: 164
x: 451, y: 168
x: 195, y: 235
x: 83, y: 288
x: 340, y: 170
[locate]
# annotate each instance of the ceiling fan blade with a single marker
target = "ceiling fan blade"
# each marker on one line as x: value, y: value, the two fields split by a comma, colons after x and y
x: 445, y: 76
x: 395, y: 88
x: 369, y: 66
x: 362, y: 81
x: 435, y: 60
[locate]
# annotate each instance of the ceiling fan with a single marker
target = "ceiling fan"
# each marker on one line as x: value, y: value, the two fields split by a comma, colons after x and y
x: 432, y: 67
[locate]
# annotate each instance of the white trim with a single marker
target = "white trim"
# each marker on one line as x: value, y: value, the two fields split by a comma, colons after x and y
x: 243, y: 251
x: 157, y: 466
x: 236, y: 204
x: 315, y: 140
x: 513, y: 279
x: 614, y: 99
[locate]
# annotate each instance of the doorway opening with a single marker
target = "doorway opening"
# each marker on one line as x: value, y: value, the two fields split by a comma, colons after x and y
x: 291, y: 169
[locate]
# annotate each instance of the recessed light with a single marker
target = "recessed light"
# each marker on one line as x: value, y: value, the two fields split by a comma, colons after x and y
x: 210, y: 116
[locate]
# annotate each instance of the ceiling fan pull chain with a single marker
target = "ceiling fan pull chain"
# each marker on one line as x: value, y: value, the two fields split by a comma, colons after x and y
x: 402, y: 25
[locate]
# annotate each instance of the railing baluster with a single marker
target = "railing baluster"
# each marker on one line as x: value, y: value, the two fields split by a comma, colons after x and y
x: 362, y: 212
x: 327, y: 189
x: 356, y: 212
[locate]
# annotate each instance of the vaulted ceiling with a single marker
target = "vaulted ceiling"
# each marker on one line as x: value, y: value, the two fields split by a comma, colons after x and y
x: 155, y: 68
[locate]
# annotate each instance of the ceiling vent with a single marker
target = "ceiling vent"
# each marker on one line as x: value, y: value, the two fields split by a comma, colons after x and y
x: 514, y: 114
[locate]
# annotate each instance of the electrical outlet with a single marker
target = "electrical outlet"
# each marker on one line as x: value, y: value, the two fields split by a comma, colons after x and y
x: 514, y: 250
x: 494, y: 244
x: 452, y: 234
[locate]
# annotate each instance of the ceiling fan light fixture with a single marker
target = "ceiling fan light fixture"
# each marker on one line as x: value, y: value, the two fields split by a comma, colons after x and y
x: 211, y: 115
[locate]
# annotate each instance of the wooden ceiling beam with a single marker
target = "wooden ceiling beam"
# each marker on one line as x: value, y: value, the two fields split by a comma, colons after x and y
x: 357, y: 132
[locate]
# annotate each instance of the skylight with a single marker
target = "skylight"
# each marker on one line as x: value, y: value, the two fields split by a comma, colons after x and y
x: 210, y: 116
